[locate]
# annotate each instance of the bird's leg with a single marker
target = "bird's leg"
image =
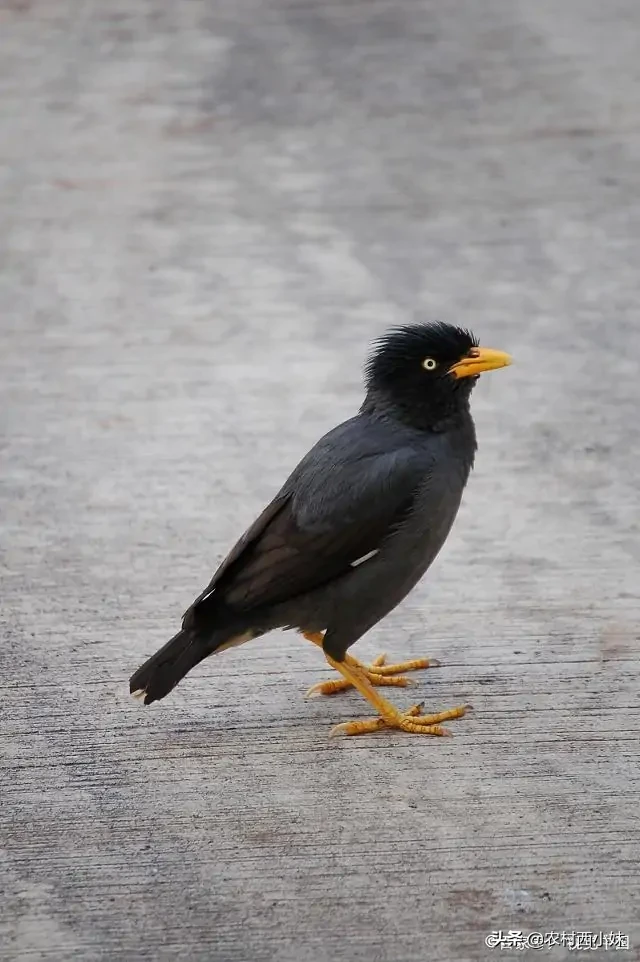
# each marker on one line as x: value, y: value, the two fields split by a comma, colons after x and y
x: 390, y: 716
x: 377, y: 672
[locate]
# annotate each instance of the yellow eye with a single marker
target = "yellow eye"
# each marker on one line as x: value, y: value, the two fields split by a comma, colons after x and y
x: 429, y: 364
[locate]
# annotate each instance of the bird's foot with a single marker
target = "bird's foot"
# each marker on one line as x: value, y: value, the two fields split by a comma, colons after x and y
x: 408, y: 721
x: 378, y: 673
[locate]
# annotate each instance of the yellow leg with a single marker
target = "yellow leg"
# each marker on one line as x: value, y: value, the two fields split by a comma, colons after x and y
x: 390, y: 716
x: 357, y: 676
x: 377, y: 672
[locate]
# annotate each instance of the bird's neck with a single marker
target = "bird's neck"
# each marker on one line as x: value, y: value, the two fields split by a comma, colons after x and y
x: 451, y: 413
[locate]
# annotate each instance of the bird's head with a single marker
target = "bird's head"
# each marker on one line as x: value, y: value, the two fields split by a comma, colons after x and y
x: 424, y: 373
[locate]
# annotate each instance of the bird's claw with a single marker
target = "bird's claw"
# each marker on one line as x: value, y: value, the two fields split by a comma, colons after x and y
x: 409, y: 721
x: 378, y: 673
x: 334, y: 685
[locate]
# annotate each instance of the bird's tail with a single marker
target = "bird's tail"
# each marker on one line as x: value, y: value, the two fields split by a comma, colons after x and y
x: 162, y: 672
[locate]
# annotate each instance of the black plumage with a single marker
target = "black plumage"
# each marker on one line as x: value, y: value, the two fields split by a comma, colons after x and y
x: 358, y: 521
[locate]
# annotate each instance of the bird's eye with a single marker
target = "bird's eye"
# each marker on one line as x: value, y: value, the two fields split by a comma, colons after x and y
x: 429, y: 364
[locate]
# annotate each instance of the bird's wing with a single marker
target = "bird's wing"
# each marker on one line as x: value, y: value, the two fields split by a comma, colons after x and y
x: 332, y: 512
x: 251, y: 535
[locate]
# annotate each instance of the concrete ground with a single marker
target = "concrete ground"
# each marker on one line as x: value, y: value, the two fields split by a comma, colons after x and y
x: 209, y: 210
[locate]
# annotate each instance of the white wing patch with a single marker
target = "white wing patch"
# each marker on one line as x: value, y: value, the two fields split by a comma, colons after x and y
x: 365, y: 557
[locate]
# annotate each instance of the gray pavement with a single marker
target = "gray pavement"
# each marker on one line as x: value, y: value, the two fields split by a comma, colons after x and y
x: 209, y: 210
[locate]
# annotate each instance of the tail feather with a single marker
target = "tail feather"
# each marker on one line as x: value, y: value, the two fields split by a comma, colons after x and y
x: 162, y: 672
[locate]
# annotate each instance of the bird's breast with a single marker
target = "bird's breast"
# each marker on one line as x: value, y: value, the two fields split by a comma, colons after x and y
x: 414, y: 545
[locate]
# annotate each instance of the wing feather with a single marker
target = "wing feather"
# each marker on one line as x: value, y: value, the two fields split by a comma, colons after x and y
x: 331, y: 513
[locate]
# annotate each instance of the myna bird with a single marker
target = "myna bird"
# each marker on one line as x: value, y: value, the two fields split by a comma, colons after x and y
x: 353, y: 528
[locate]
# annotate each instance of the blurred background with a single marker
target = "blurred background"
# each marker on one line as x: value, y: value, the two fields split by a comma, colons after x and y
x: 209, y: 209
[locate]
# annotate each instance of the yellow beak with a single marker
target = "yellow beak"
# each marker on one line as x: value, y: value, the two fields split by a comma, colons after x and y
x: 479, y: 359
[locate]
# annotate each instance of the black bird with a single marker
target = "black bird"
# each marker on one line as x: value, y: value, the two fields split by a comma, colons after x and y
x: 353, y: 528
